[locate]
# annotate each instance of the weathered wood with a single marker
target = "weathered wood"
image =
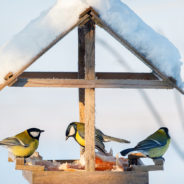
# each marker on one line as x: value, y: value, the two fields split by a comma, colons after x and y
x: 81, y: 73
x: 146, y: 168
x: 89, y: 57
x: 89, y: 129
x: 49, y: 75
x: 57, y: 39
x: 88, y: 11
x: 82, y: 83
x: 105, y: 177
x: 158, y: 161
x: 8, y: 76
x: 20, y: 161
x: 126, y: 75
x: 102, y: 24
x: 30, y: 167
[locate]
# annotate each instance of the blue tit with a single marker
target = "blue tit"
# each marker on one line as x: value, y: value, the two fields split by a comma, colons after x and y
x: 77, y: 131
x: 153, y: 146
x: 23, y: 144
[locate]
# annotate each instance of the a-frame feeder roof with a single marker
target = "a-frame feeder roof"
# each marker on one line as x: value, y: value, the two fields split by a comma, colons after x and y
x: 156, y: 51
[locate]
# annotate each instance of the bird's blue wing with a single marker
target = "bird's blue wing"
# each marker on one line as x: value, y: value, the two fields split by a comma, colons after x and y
x: 149, y: 143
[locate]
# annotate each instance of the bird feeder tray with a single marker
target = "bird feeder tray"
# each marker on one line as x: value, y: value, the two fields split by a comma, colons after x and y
x: 46, y: 172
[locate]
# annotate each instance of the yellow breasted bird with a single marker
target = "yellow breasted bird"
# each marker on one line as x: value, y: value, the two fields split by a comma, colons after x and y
x: 153, y: 146
x: 77, y: 131
x: 23, y: 144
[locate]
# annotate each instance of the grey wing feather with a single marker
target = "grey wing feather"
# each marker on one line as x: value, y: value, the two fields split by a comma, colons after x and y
x: 99, y: 140
x: 107, y: 138
x: 12, y: 141
x: 99, y: 144
x: 99, y: 134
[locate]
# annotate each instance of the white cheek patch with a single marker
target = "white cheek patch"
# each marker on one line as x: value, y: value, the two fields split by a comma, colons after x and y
x: 35, y: 134
x: 72, y: 131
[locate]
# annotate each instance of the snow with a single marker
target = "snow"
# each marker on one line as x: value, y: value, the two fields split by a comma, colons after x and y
x: 19, y: 51
x: 40, y: 32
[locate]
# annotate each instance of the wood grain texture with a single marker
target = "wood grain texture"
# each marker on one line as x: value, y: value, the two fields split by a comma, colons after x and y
x: 30, y: 167
x: 146, y: 168
x: 81, y: 71
x: 105, y: 177
x: 81, y: 74
x: 89, y: 129
x: 82, y: 83
x: 89, y: 57
x: 19, y: 161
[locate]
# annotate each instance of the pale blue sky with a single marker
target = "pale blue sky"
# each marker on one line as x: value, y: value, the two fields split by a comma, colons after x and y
x: 118, y: 111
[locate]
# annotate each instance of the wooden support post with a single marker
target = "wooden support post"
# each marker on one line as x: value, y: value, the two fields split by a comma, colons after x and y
x: 81, y: 75
x: 88, y: 52
x: 81, y: 71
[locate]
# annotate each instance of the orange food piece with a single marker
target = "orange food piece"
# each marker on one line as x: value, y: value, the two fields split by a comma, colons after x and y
x: 103, y: 165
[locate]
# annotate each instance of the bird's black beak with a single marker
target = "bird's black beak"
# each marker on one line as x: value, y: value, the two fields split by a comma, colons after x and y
x: 66, y: 138
x: 42, y: 131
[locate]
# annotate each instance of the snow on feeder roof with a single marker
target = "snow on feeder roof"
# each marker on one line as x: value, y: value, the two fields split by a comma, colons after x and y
x: 115, y: 17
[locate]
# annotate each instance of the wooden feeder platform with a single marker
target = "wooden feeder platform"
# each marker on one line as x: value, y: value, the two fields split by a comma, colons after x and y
x: 136, y: 173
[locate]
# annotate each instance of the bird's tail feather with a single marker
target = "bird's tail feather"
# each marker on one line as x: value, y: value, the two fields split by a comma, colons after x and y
x: 109, y: 138
x: 126, y: 151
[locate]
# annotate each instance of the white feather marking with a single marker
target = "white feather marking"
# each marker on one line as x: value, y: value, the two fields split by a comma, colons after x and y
x: 35, y: 134
x: 22, y: 143
x: 156, y: 141
x: 72, y: 131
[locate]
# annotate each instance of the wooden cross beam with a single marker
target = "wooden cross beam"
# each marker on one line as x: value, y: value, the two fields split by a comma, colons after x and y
x: 100, y: 83
x: 81, y: 74
x: 102, y: 80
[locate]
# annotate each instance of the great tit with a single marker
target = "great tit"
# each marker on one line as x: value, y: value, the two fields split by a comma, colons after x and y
x: 153, y: 146
x: 77, y: 131
x: 23, y: 144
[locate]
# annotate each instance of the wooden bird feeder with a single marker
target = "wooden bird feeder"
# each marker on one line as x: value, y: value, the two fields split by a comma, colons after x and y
x: 86, y: 80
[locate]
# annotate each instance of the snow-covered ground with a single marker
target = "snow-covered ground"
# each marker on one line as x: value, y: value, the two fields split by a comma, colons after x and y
x: 126, y: 110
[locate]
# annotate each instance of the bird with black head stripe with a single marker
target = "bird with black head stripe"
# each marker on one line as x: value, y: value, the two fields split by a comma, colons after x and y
x: 23, y: 144
x: 153, y: 146
x: 77, y: 131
